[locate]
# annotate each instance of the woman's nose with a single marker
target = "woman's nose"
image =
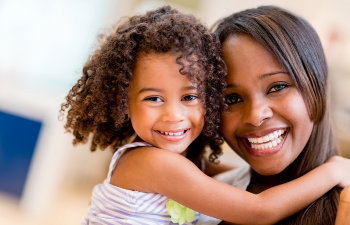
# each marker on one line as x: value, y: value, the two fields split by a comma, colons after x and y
x: 257, y: 112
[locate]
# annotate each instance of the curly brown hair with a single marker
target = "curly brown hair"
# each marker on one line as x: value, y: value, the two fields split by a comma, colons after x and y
x: 97, y: 103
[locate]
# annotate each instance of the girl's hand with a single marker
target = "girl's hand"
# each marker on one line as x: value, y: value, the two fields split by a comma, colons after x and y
x: 343, y: 214
x: 342, y: 169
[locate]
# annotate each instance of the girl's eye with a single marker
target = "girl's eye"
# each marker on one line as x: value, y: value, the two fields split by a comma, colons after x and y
x: 278, y: 87
x: 153, y: 99
x: 190, y: 97
x: 231, y: 99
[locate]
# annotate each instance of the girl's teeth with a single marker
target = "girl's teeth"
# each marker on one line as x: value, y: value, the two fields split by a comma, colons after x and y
x: 172, y: 134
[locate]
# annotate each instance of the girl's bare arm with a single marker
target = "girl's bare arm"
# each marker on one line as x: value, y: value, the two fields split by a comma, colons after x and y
x: 173, y: 175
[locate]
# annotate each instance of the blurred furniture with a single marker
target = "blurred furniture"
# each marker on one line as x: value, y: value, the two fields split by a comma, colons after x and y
x: 18, y: 138
x: 33, y: 148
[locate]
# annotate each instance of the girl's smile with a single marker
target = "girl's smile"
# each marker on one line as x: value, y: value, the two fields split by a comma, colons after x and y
x: 164, y: 106
x: 174, y: 135
x: 267, y: 122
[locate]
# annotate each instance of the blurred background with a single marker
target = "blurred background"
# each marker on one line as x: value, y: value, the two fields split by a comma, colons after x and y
x: 43, y: 46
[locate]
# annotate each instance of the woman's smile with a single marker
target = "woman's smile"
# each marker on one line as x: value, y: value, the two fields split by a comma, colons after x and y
x: 268, y: 144
x: 267, y: 122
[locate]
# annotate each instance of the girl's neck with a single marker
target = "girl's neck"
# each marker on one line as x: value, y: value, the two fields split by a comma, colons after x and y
x: 259, y: 183
x: 138, y: 139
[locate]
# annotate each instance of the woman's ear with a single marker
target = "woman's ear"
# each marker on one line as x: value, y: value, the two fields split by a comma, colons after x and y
x: 343, y: 214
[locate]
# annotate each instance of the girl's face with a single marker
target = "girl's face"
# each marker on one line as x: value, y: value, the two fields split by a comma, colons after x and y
x: 164, y: 107
x: 267, y: 122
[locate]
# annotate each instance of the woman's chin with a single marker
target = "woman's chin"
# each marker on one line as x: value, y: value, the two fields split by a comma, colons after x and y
x: 268, y: 171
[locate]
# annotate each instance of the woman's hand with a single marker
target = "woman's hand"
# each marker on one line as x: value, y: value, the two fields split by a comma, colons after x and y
x: 343, y: 214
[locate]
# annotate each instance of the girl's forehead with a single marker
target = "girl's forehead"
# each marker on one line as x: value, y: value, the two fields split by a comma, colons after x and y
x: 189, y: 65
x: 157, y: 66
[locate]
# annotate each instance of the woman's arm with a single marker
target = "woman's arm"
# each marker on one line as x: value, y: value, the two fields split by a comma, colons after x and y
x: 343, y: 214
x: 173, y: 175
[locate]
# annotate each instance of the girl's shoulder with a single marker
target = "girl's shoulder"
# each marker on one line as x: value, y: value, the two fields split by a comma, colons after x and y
x: 120, y: 152
x: 138, y: 167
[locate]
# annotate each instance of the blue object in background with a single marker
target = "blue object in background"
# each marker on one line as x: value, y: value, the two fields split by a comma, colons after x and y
x: 18, y: 138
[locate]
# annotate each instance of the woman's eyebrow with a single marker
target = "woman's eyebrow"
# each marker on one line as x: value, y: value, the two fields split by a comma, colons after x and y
x: 262, y: 76
x: 231, y: 85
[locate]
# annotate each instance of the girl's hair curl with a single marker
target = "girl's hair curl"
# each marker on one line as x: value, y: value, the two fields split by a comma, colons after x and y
x: 97, y: 103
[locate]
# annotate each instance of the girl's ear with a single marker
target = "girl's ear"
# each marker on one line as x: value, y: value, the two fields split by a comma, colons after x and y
x: 127, y: 115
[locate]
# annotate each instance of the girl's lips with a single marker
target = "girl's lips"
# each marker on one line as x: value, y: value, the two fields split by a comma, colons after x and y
x: 267, y: 149
x: 175, y: 135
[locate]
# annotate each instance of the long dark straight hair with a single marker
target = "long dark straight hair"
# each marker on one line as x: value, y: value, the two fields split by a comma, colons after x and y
x: 296, y: 45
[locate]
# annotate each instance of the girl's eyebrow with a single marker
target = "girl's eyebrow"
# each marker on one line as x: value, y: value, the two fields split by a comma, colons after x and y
x: 160, y: 90
x: 149, y: 89
x: 262, y: 76
x: 190, y: 88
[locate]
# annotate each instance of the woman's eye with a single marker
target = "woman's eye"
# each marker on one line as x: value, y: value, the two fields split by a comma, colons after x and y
x: 278, y: 87
x: 153, y: 99
x: 190, y: 97
x: 231, y: 99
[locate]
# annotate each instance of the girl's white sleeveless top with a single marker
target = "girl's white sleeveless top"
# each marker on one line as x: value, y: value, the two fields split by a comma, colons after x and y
x: 114, y: 205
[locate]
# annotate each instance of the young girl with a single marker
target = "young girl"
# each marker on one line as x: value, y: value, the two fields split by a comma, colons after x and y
x: 157, y: 81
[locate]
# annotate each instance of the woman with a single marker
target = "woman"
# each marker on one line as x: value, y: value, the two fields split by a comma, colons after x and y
x: 277, y: 117
x: 343, y: 215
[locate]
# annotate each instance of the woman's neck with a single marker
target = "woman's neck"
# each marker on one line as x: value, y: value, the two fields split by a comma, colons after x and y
x: 259, y: 183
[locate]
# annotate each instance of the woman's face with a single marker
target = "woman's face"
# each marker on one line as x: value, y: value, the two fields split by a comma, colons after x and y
x: 267, y: 122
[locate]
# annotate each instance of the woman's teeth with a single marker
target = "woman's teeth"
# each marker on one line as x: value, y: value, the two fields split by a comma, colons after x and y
x: 268, y: 141
x: 171, y: 133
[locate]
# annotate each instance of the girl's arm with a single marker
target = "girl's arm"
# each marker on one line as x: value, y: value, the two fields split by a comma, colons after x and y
x: 343, y: 214
x: 212, y: 169
x: 170, y: 174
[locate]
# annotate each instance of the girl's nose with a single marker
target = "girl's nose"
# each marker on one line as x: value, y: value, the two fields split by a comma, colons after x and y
x: 257, y: 112
x: 173, y: 112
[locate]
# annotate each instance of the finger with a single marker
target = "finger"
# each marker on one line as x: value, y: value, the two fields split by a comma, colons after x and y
x: 343, y: 214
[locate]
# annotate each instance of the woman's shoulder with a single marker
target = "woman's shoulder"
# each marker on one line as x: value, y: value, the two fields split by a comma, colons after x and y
x: 239, y: 177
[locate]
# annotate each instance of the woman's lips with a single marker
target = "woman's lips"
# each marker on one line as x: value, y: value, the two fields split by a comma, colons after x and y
x: 268, y: 144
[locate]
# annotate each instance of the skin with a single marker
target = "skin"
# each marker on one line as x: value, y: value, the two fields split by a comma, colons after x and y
x: 262, y: 99
x: 164, y: 102
x: 343, y: 215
